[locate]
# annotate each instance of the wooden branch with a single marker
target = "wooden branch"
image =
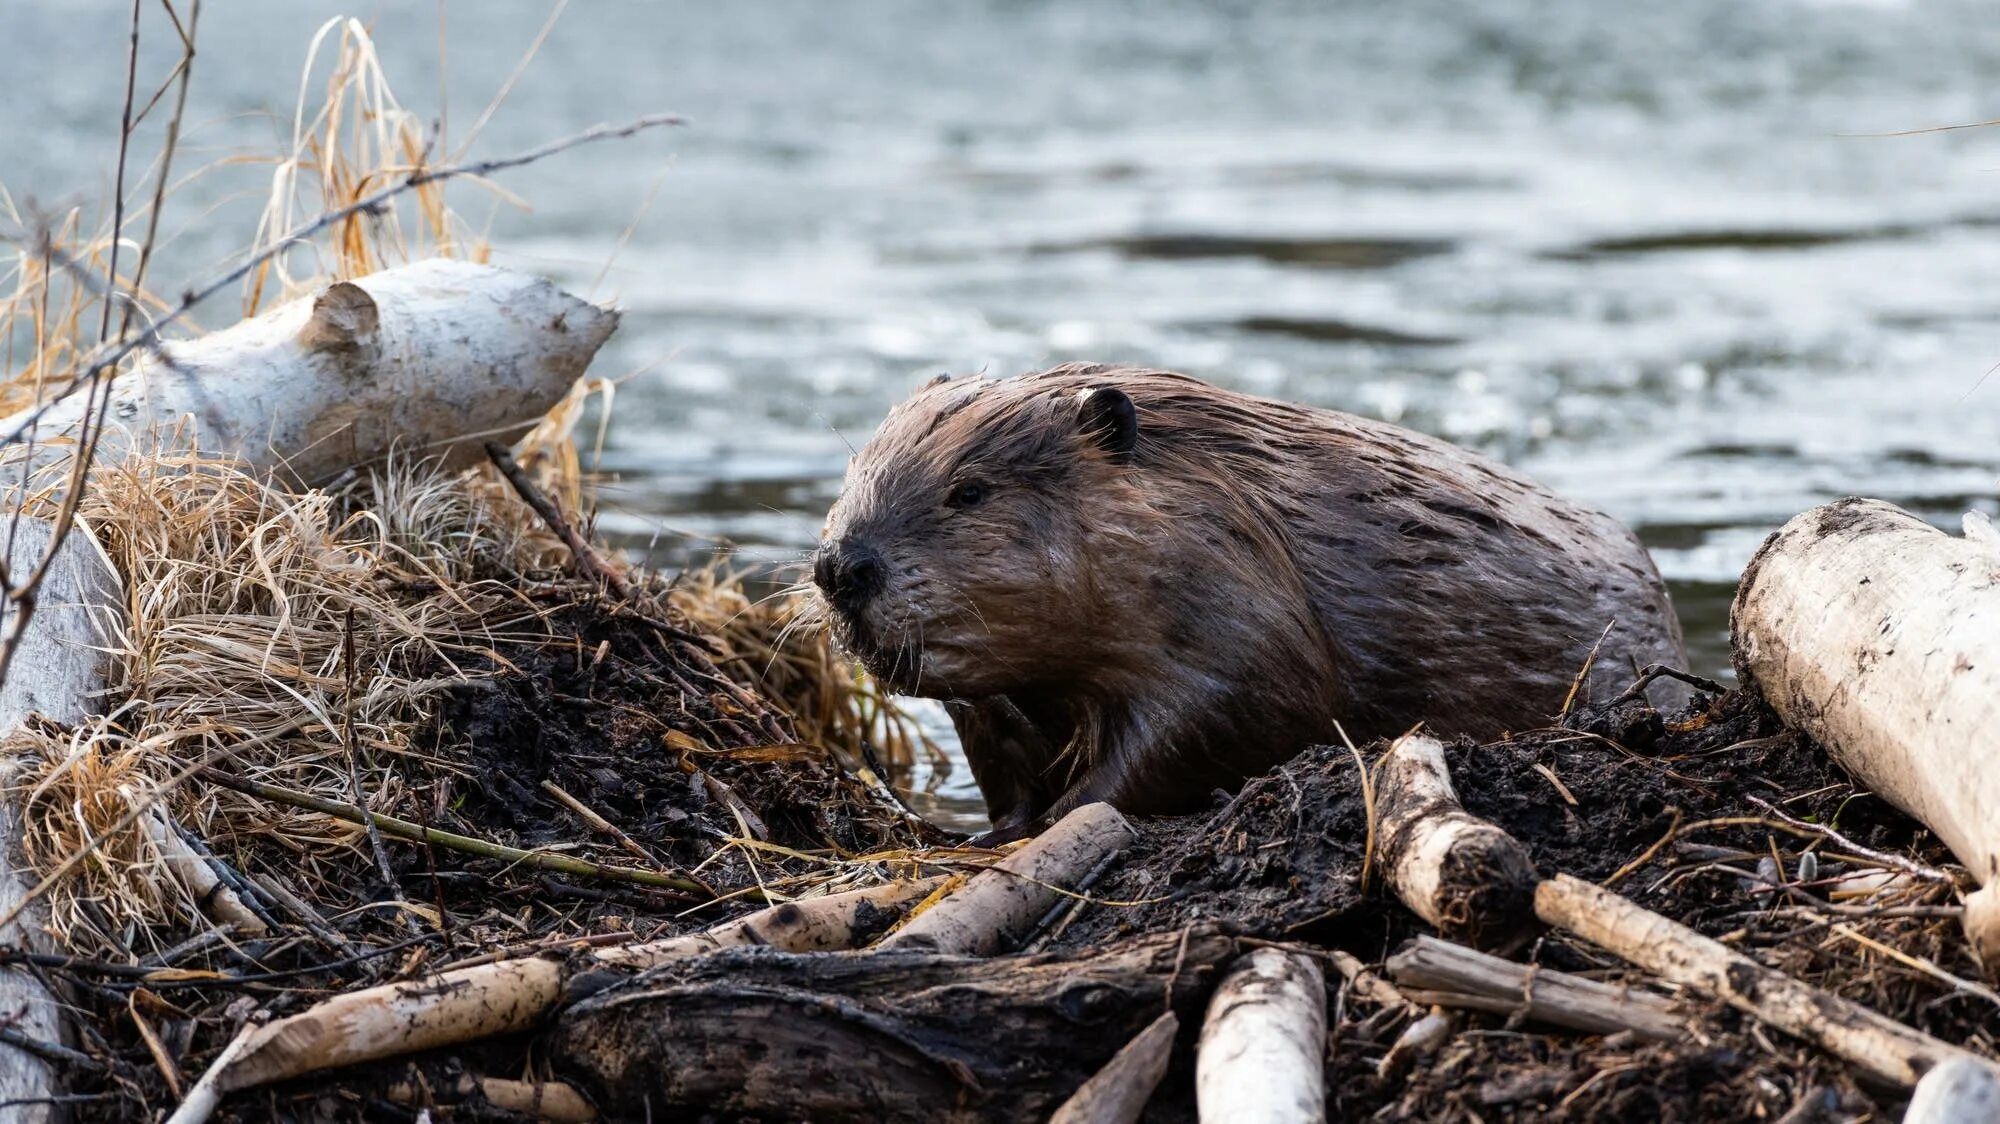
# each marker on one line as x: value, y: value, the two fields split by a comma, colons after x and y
x: 1879, y: 1046
x: 589, y: 563
x: 1118, y: 1093
x: 886, y: 1035
x: 429, y: 358
x: 417, y: 833
x: 484, y: 1000
x: 1450, y: 975
x: 1000, y: 906
x: 1879, y: 635
x: 836, y: 921
x: 1470, y: 879
x: 1262, y: 1056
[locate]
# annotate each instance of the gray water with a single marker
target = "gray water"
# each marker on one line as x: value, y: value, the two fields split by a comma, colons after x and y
x: 1661, y: 257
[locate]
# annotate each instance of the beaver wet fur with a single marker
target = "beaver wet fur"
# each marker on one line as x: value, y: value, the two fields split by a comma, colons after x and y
x: 1129, y: 585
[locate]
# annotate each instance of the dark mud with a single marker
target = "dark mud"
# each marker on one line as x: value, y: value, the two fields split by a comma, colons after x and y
x: 1282, y: 861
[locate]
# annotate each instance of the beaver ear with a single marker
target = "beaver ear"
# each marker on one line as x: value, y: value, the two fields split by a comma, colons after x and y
x: 1110, y: 419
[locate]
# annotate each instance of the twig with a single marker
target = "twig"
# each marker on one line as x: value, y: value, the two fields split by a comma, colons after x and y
x: 590, y: 817
x: 588, y: 561
x: 1583, y: 673
x: 404, y: 829
x: 1653, y: 671
x: 1907, y: 866
x: 1647, y: 855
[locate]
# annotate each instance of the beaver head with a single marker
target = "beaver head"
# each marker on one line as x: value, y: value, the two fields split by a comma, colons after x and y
x: 962, y: 556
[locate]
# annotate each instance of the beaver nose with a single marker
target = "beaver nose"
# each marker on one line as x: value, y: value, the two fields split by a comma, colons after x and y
x: 849, y: 573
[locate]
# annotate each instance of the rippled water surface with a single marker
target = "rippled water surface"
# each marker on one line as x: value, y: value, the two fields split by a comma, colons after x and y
x: 1662, y: 256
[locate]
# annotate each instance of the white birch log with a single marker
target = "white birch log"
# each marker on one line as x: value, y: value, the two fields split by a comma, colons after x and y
x: 1262, y: 1055
x: 1879, y: 635
x: 58, y: 671
x: 1876, y: 1044
x: 430, y: 359
x: 1956, y: 1092
x: 1001, y: 905
x: 1469, y: 879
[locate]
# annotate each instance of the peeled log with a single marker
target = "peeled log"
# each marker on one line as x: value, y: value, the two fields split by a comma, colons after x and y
x: 485, y: 1000
x: 1879, y: 635
x: 1002, y: 904
x: 58, y: 671
x: 1117, y: 1094
x: 1470, y: 879
x: 1262, y: 1057
x: 431, y: 359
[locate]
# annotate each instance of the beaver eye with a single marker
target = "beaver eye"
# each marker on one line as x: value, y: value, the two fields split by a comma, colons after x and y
x: 968, y: 494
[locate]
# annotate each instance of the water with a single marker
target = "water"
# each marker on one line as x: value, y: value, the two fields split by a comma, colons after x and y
x: 1659, y: 257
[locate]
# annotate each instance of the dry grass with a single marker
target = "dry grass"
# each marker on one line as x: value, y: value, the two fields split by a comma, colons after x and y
x: 243, y: 599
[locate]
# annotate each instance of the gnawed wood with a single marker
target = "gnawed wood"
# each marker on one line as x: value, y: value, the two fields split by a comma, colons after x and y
x: 1879, y: 1046
x: 887, y: 1035
x: 1879, y: 635
x: 430, y: 358
x: 836, y: 921
x: 485, y: 1000
x: 1450, y: 975
x: 1470, y: 879
x: 1262, y: 1057
x: 1118, y: 1093
x: 1001, y: 905
x: 550, y: 1101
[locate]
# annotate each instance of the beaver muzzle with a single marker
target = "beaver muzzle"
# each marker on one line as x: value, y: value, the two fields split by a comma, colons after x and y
x: 850, y: 573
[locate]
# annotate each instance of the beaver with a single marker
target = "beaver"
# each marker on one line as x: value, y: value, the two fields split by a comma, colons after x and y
x: 1129, y: 585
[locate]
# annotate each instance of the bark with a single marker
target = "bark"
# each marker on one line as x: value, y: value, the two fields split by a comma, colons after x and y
x: 1879, y: 635
x: 430, y: 358
x: 1469, y: 879
x: 58, y: 671
x: 1449, y: 975
x: 888, y: 1035
x: 1000, y: 907
x: 1877, y: 1045
x: 1262, y: 1057
x: 1118, y: 1093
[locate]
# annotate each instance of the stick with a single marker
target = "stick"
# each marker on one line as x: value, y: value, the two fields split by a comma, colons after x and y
x: 836, y: 921
x: 200, y: 879
x: 550, y: 1101
x: 1261, y: 1059
x: 404, y: 829
x: 1881, y: 1047
x: 206, y: 1094
x: 1470, y: 879
x: 1000, y: 906
x: 1118, y: 1093
x: 483, y: 1000
x: 1451, y: 975
x: 588, y: 561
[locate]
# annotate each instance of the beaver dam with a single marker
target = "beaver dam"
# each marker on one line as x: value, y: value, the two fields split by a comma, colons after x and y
x: 575, y: 770
x: 348, y: 778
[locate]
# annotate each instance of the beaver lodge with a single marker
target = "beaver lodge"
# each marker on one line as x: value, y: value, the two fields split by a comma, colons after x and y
x: 349, y: 779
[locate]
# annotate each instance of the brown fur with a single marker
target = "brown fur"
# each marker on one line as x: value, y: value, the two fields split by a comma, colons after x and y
x: 1145, y: 625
